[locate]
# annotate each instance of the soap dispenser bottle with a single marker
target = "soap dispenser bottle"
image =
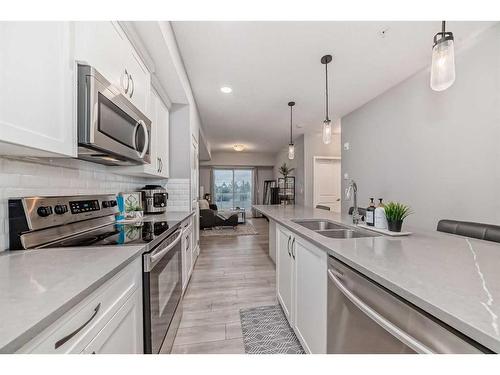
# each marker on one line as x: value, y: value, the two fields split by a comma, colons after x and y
x: 370, y: 213
x: 380, y: 219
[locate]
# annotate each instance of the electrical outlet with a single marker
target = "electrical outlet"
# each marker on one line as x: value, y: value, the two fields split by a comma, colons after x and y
x: 347, y: 146
x: 346, y: 176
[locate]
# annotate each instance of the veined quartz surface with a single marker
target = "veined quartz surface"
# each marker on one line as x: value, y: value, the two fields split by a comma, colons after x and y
x: 454, y: 278
x: 38, y: 286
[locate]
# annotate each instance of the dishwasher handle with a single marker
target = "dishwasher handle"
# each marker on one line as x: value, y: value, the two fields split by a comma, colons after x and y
x: 379, y: 319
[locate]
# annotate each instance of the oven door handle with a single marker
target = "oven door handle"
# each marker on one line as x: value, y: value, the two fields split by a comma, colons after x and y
x: 156, y: 256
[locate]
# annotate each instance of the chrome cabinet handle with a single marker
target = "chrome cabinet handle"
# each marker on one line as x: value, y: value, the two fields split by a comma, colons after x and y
x: 161, y: 165
x: 65, y: 339
x: 133, y: 86
x: 379, y: 319
x: 158, y: 161
x: 288, y: 246
x: 293, y: 248
x: 122, y: 81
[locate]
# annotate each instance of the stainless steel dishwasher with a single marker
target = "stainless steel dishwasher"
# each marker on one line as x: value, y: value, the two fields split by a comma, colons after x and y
x: 364, y: 317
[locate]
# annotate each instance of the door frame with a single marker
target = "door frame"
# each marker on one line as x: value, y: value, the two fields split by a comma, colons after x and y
x: 315, y: 158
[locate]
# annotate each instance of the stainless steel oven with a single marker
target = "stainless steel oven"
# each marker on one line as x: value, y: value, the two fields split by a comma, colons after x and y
x: 162, y: 291
x: 111, y: 130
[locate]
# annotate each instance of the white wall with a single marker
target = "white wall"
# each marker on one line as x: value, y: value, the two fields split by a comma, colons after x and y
x: 239, y: 159
x: 20, y: 178
x: 436, y: 151
x: 314, y: 146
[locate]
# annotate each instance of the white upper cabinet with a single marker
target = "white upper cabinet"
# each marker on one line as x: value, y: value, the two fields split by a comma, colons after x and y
x: 37, y: 93
x: 162, y: 141
x: 103, y: 45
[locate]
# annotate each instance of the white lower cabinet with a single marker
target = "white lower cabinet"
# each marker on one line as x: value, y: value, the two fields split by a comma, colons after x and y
x: 284, y: 271
x: 301, y: 272
x: 108, y: 321
x: 188, y: 252
x: 123, y: 333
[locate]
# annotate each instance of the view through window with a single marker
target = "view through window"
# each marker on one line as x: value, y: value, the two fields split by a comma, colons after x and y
x: 233, y: 188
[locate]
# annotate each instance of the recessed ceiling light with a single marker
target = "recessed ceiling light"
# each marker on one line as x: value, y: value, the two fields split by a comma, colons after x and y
x: 238, y: 147
x: 226, y: 89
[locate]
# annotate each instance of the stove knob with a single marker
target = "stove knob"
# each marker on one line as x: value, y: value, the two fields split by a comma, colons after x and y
x: 112, y: 203
x: 44, y: 211
x: 105, y: 204
x: 60, y: 209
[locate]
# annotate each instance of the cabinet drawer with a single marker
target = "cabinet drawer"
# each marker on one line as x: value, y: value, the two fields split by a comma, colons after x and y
x: 74, y: 331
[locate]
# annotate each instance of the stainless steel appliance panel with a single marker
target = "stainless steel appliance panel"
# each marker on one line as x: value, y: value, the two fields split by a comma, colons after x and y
x: 162, y: 293
x: 111, y: 130
x: 365, y: 318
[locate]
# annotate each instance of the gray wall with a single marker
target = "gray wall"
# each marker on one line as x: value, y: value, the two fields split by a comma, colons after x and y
x: 297, y: 163
x: 436, y: 151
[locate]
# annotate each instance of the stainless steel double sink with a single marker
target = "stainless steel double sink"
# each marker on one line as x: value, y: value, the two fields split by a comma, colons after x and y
x: 331, y: 229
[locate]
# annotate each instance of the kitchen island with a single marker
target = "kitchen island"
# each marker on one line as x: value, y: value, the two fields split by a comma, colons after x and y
x: 453, y: 278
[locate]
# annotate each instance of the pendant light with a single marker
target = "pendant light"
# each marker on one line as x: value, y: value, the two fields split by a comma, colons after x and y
x: 291, y: 146
x: 327, y: 124
x: 443, y: 60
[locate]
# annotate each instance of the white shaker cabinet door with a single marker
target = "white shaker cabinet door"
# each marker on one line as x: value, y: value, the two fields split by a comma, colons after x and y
x: 123, y: 334
x: 310, y: 296
x: 102, y: 45
x: 284, y: 271
x: 162, y: 140
x: 37, y: 89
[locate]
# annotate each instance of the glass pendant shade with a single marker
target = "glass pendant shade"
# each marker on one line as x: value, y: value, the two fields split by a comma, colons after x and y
x: 443, y: 65
x: 327, y: 132
x: 291, y: 151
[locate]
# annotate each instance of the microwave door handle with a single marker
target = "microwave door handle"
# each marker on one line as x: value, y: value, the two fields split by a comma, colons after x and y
x: 380, y: 320
x: 146, y: 135
x: 154, y: 257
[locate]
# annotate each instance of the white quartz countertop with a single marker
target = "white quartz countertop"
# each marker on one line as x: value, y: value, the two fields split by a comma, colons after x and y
x: 454, y: 278
x: 38, y: 286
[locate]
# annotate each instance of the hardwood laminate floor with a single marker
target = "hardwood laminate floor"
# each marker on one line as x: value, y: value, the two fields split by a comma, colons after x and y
x: 231, y: 273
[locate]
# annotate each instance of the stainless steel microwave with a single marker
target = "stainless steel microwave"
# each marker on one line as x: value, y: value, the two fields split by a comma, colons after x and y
x: 111, y: 130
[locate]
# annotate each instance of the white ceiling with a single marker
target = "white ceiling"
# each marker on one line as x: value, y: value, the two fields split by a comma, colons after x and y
x: 267, y: 64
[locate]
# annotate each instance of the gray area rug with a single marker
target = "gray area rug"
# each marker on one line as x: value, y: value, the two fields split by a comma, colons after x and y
x: 266, y: 331
x: 240, y: 230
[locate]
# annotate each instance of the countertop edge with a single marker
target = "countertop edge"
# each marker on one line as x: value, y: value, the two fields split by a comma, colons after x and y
x: 463, y: 327
x: 46, y: 322
x: 36, y: 329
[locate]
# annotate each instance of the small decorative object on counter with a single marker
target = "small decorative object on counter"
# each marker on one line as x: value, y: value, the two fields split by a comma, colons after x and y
x: 380, y: 218
x: 395, y: 213
x: 130, y: 206
x: 370, y: 213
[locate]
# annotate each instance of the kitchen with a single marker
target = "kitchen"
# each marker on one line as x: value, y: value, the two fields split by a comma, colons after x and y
x: 101, y: 191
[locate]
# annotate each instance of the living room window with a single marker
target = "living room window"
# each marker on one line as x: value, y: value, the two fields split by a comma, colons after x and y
x: 233, y: 188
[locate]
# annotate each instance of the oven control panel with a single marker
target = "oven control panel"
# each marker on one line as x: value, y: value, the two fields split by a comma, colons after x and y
x: 44, y: 212
x: 84, y: 206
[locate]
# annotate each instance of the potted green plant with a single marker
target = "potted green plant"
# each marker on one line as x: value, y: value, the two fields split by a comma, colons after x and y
x: 285, y: 170
x: 395, y: 213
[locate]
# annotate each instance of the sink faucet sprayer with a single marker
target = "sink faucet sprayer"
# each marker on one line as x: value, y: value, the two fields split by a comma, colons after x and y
x: 353, y: 189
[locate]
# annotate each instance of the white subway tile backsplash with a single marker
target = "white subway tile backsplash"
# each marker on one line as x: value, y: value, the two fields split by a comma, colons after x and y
x: 20, y: 177
x: 178, y: 195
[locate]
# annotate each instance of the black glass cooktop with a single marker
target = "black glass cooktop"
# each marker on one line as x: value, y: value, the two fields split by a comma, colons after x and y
x: 116, y: 234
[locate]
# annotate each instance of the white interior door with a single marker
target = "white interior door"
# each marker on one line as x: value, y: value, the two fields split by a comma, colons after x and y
x: 327, y: 182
